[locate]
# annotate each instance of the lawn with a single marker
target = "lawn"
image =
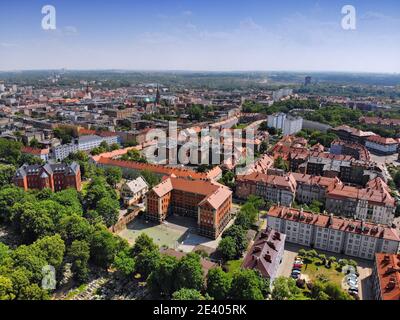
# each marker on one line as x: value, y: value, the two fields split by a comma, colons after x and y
x: 233, y: 266
x: 313, y: 271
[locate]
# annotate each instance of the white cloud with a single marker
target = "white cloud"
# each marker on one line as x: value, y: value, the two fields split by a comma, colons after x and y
x: 249, y: 24
x: 7, y: 45
x: 187, y: 13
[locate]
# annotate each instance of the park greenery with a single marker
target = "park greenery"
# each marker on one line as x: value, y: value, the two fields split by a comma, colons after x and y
x: 234, y: 240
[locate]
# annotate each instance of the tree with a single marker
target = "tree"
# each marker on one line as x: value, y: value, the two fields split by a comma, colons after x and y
x: 96, y: 191
x: 150, y: 178
x: 146, y: 262
x: 284, y: 289
x: 264, y: 147
x: 143, y: 243
x: 69, y: 199
x: 187, y: 294
x: 64, y: 134
x: 248, y: 284
x: 6, y: 289
x: 103, y: 248
x: 124, y: 263
x: 74, y: 227
x: 7, y: 173
x: 10, y: 152
x: 113, y: 175
x: 108, y: 209
x: 238, y: 234
x: 162, y: 280
x: 34, y: 143
x: 189, y: 273
x: 51, y: 249
x: 8, y: 197
x: 78, y: 255
x: 218, y: 283
x: 281, y: 164
x: 33, y: 292
x: 227, y: 247
x: 25, y: 257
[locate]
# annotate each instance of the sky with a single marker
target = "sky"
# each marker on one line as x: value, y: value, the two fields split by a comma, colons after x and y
x: 201, y: 35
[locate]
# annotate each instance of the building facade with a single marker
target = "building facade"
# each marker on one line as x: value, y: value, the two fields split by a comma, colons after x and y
x: 56, y: 177
x: 274, y: 188
x: 208, y: 202
x: 326, y: 232
x: 132, y: 192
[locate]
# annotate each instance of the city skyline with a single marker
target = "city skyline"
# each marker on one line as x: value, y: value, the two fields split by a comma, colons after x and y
x: 188, y: 36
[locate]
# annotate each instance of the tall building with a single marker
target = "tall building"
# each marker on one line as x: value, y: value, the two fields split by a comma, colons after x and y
x: 307, y: 81
x: 56, y: 177
x: 288, y: 124
x: 208, y: 202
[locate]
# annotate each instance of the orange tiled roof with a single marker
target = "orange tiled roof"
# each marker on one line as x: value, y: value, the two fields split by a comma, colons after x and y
x: 163, y: 170
x: 336, y: 223
x: 287, y: 181
x: 35, y: 151
x: 388, y: 272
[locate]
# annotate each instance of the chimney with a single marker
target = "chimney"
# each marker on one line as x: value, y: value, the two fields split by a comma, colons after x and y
x: 330, y: 223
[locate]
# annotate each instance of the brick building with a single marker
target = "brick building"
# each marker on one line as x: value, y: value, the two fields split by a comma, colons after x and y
x: 56, y: 177
x: 208, y: 202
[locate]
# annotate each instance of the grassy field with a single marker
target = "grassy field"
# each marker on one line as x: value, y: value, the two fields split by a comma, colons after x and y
x: 233, y: 265
x: 313, y: 271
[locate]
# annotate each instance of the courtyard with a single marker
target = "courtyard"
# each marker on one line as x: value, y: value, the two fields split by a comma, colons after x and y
x: 364, y: 268
x: 177, y: 233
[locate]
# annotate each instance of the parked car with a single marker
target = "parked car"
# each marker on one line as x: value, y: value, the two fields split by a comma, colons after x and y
x: 296, y: 265
x: 296, y: 271
x: 295, y: 276
x: 353, y: 291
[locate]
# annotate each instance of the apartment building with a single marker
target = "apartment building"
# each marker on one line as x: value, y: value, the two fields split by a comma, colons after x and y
x: 42, y: 154
x: 266, y: 254
x: 208, y: 202
x: 329, y: 233
x: 313, y: 188
x: 134, y: 191
x: 373, y: 203
x: 276, y: 188
x: 382, y: 146
x: 288, y: 124
x: 83, y: 143
x: 56, y: 177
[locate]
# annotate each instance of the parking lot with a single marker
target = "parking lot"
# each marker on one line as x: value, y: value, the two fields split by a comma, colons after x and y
x: 364, y: 268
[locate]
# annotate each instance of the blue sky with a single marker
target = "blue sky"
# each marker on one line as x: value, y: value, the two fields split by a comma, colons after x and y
x: 201, y: 35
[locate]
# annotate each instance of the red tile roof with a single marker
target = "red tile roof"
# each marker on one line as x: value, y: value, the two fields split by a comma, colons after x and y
x: 161, y: 169
x: 388, y: 272
x: 35, y: 151
x: 337, y: 223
